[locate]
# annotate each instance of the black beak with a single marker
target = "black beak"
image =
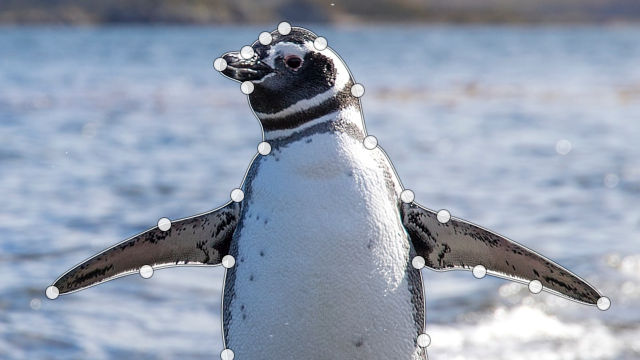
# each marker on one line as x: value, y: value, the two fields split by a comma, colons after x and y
x: 245, y: 69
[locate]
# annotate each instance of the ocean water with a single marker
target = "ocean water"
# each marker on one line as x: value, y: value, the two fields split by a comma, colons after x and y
x: 533, y: 132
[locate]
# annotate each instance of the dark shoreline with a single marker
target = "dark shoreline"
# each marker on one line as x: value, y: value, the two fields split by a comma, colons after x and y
x: 346, y: 26
x: 228, y: 12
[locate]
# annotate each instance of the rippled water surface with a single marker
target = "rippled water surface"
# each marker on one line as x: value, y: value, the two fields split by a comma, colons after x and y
x: 532, y: 132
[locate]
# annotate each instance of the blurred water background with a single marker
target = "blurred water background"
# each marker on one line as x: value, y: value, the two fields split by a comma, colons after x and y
x: 531, y: 131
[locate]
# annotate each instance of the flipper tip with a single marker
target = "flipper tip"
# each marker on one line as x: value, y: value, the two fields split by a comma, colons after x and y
x: 52, y: 292
x: 603, y: 303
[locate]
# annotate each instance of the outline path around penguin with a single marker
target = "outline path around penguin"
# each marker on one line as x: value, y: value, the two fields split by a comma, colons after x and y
x: 323, y: 246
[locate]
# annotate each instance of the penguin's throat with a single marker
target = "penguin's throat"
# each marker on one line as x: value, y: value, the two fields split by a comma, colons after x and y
x: 340, y: 119
x: 293, y: 114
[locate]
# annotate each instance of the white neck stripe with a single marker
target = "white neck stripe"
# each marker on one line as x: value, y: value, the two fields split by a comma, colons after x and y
x: 351, y: 114
x: 300, y: 105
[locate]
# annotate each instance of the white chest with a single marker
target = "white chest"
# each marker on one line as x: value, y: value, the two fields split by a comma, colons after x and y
x: 321, y: 258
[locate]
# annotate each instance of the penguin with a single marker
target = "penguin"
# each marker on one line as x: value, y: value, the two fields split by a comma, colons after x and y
x: 322, y: 244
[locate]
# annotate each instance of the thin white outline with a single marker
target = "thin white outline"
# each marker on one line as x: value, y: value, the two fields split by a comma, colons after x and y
x: 132, y: 272
x: 513, y: 278
x: 398, y: 179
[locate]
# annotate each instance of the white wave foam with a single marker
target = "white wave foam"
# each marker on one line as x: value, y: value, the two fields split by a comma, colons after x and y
x: 527, y: 333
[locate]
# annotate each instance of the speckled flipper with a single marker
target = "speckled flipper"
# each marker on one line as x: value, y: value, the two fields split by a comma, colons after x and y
x: 201, y: 239
x: 460, y: 245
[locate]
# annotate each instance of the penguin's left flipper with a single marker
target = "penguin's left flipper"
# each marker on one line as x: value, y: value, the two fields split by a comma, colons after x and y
x: 460, y: 245
x: 201, y: 239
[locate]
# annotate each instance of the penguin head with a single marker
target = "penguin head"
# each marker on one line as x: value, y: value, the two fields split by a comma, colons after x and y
x: 290, y: 74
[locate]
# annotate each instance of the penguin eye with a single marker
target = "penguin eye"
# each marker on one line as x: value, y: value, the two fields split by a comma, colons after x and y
x: 292, y: 61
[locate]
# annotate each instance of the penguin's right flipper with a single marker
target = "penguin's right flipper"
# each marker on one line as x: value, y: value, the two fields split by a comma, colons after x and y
x: 460, y: 245
x: 201, y: 239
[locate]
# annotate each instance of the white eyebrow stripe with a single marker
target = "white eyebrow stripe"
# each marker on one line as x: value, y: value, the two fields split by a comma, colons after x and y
x: 286, y: 48
x: 264, y: 78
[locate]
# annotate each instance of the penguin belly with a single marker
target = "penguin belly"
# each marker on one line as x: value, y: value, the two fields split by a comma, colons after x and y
x: 322, y: 260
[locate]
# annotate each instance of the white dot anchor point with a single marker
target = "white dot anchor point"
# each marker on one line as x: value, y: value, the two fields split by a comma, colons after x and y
x: 164, y: 224
x: 418, y: 262
x: 220, y: 64
x: 284, y: 28
x: 265, y: 38
x: 264, y: 148
x: 407, y: 196
x: 146, y: 271
x: 443, y: 216
x: 228, y: 261
x: 320, y: 43
x: 227, y: 354
x: 424, y: 340
x: 604, y: 303
x: 247, y: 52
x: 357, y: 90
x: 246, y: 87
x: 535, y: 286
x: 52, y: 292
x: 237, y: 195
x: 479, y: 271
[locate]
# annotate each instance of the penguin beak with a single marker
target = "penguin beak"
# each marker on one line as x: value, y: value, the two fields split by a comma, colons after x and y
x: 245, y: 69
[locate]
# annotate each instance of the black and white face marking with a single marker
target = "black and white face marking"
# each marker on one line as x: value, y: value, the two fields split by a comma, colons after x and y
x: 294, y: 82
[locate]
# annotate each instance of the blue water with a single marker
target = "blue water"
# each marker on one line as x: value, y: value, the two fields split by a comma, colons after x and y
x: 105, y: 130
